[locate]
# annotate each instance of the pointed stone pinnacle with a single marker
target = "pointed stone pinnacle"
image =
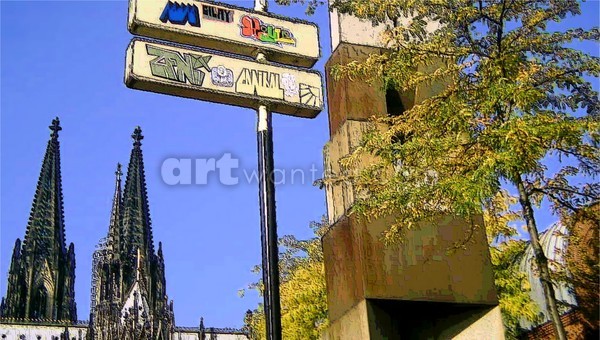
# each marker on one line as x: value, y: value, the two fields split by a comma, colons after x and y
x: 55, y: 127
x: 118, y: 173
x: 137, y: 136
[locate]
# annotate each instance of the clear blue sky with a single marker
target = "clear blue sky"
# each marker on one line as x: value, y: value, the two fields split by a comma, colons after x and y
x: 67, y: 59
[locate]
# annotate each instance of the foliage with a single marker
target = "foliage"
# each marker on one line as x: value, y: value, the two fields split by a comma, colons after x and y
x: 507, y: 96
x: 311, y: 5
x: 303, y: 294
x: 506, y: 250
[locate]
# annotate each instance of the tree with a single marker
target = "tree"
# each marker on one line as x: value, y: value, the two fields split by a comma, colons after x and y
x: 302, y: 288
x: 311, y: 5
x: 506, y: 251
x: 517, y: 109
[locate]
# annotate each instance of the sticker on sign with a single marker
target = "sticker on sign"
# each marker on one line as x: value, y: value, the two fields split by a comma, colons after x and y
x: 210, y: 76
x: 226, y: 28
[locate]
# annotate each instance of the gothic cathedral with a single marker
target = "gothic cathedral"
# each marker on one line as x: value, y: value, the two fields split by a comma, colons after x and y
x: 129, y: 299
x: 41, y: 277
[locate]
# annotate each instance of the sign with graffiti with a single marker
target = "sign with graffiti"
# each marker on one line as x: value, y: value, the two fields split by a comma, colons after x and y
x: 254, y: 28
x: 179, y: 14
x: 200, y: 74
x: 226, y: 28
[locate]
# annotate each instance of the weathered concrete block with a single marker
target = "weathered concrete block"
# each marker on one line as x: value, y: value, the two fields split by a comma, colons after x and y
x: 340, y: 195
x: 391, y: 320
x: 354, y: 325
x: 350, y: 99
x: 359, y: 266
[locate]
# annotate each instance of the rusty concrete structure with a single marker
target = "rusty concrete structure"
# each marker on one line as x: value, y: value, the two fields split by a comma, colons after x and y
x: 412, y: 290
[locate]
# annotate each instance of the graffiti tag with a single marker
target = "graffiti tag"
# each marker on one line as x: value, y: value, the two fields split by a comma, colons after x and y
x: 256, y: 29
x: 217, y: 13
x: 290, y: 87
x: 260, y: 83
x: 180, y: 14
x: 221, y: 76
x: 309, y: 95
x: 184, y: 68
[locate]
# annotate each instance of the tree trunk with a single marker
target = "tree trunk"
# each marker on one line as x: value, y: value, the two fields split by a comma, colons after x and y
x: 540, y: 260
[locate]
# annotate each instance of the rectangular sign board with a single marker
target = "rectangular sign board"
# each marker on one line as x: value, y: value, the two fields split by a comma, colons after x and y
x: 226, y: 28
x: 211, y: 76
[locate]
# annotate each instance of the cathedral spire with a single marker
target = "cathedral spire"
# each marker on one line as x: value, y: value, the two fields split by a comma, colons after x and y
x: 14, y: 296
x: 46, y: 220
x: 137, y: 228
x: 131, y: 277
x: 114, y: 229
x: 42, y: 271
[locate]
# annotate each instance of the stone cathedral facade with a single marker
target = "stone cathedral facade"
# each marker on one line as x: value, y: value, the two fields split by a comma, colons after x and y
x: 129, y: 296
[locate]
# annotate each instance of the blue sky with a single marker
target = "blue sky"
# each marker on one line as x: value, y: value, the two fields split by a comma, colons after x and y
x: 67, y: 59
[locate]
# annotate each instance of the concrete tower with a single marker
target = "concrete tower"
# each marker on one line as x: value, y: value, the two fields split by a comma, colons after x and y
x: 412, y: 290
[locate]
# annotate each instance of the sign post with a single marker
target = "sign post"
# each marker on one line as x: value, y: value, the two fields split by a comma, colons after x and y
x: 268, y: 225
x: 248, y: 80
x: 268, y: 219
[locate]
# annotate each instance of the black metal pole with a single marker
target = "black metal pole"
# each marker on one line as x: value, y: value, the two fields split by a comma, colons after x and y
x: 268, y: 225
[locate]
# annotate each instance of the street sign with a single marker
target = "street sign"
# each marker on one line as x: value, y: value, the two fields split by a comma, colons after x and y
x: 226, y: 28
x: 211, y: 76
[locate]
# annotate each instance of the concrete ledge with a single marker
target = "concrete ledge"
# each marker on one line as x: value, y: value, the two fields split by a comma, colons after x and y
x: 359, y: 266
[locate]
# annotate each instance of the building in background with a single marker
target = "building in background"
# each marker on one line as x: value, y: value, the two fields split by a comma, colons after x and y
x: 42, y: 271
x: 129, y: 299
x: 554, y: 242
x: 572, y: 250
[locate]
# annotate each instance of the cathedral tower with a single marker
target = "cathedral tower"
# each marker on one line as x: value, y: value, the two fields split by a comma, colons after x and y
x: 129, y: 298
x: 42, y: 271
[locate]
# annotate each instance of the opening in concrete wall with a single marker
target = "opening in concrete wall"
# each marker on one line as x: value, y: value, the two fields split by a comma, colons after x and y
x: 395, y: 319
